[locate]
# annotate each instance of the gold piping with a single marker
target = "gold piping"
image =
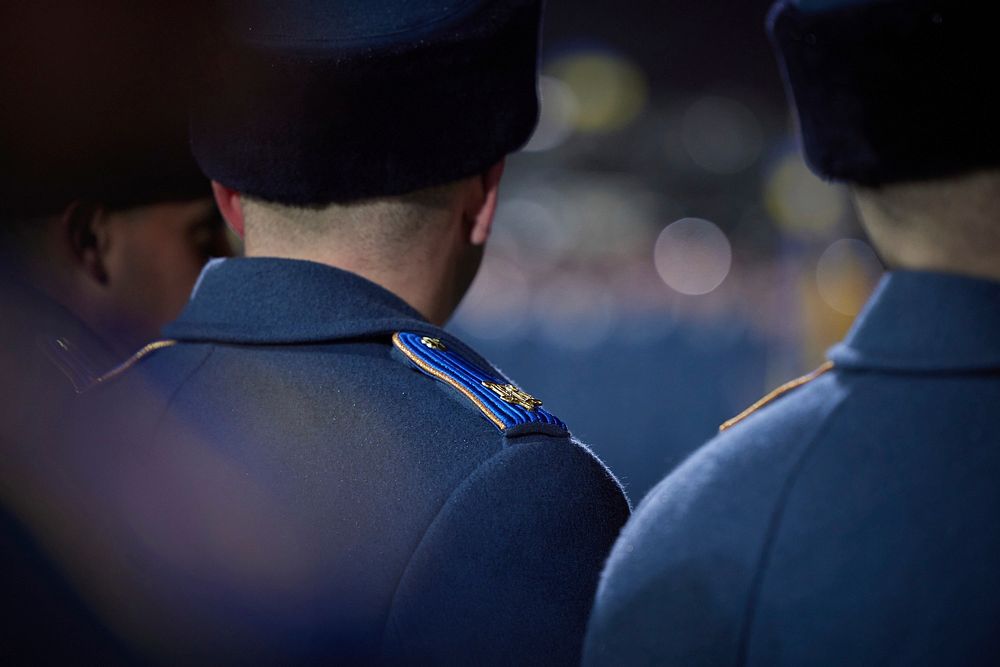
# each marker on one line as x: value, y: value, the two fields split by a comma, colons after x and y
x: 131, y: 361
x: 776, y: 394
x: 401, y: 346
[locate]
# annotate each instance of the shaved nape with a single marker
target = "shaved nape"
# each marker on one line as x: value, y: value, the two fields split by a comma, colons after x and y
x: 964, y: 205
x: 946, y: 224
x: 384, y: 225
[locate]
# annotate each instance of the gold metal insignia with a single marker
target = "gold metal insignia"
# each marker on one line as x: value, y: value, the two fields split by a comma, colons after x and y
x: 514, y: 395
x: 434, y: 343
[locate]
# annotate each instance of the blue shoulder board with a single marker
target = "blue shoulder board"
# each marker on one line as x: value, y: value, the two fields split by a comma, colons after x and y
x: 508, y: 407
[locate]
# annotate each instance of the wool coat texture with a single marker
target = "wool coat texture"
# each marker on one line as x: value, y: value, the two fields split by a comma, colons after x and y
x: 852, y: 521
x: 290, y: 487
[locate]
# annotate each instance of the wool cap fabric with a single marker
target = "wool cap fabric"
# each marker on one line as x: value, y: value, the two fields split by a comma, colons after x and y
x: 315, y: 102
x: 95, y: 104
x: 891, y: 90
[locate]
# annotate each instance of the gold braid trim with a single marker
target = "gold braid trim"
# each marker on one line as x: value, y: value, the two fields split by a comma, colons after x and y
x: 401, y: 346
x: 130, y: 362
x: 776, y: 394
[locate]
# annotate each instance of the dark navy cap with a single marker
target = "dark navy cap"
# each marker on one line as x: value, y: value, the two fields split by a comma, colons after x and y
x: 891, y: 90
x: 95, y: 104
x: 314, y: 102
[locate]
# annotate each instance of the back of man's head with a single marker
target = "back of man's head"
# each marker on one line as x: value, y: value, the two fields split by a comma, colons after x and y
x: 102, y: 205
x: 888, y: 98
x: 370, y: 135
x: 95, y: 104
x: 96, y: 110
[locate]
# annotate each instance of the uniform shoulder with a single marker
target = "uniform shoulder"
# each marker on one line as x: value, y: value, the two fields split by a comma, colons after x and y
x: 719, y: 502
x: 759, y: 448
x: 513, y: 428
x: 700, y: 534
x: 150, y: 375
x: 468, y: 377
x: 776, y: 394
x: 525, y: 533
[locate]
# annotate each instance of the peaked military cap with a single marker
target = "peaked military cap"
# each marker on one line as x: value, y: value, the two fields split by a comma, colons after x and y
x: 891, y: 90
x: 95, y: 104
x: 317, y: 102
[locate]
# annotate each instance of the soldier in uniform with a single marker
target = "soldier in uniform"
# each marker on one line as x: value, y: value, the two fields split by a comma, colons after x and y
x: 105, y: 223
x: 853, y: 516
x: 311, y: 468
x: 105, y: 215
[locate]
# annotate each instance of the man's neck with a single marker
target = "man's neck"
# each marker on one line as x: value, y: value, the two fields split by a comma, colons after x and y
x: 944, y: 255
x: 946, y: 225
x: 973, y: 267
x: 422, y: 285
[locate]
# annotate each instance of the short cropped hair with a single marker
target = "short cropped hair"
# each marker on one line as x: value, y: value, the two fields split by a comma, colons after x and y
x: 384, y: 224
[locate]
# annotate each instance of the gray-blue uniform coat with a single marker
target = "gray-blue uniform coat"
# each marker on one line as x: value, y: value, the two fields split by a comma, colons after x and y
x: 855, y: 521
x: 293, y: 485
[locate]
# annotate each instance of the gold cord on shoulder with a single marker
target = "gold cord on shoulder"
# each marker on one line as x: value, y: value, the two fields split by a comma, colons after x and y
x: 424, y: 366
x: 130, y: 362
x: 776, y: 394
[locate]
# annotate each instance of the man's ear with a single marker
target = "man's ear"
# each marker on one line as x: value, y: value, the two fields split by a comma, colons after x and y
x: 230, y: 206
x: 85, y: 228
x: 483, y: 210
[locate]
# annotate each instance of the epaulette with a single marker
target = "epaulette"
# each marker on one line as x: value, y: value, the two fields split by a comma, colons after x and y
x: 503, y: 403
x: 776, y: 394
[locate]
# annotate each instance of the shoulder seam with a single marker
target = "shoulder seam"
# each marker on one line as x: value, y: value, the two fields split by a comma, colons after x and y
x: 774, y: 525
x: 177, y: 390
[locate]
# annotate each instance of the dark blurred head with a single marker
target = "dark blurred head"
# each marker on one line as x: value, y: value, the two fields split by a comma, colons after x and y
x: 96, y: 100
x: 890, y: 98
x: 123, y: 272
x: 103, y: 204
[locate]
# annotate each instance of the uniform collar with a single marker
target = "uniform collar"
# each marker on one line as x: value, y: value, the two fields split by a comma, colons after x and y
x: 285, y: 301
x: 33, y: 318
x: 921, y: 321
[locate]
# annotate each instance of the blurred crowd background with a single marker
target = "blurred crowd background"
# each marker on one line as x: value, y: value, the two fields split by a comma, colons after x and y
x: 662, y: 257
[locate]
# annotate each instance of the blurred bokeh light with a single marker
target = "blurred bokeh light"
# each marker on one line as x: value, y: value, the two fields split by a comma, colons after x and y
x: 799, y: 201
x: 558, y: 117
x: 721, y: 135
x: 693, y: 256
x: 846, y: 273
x: 610, y: 91
x: 662, y: 256
x: 576, y: 312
